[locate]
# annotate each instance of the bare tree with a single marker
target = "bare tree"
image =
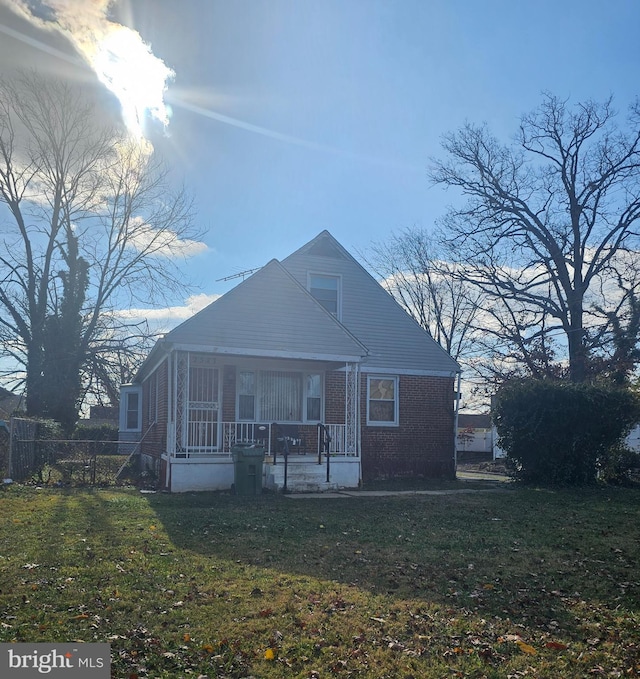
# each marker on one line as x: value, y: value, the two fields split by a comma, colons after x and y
x: 88, y: 226
x: 549, y: 222
x: 414, y: 272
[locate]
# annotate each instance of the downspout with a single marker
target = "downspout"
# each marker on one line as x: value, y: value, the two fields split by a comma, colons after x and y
x: 455, y: 426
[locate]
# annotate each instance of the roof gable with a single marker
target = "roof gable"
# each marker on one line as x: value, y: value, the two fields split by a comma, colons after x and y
x: 394, y: 339
x: 269, y: 313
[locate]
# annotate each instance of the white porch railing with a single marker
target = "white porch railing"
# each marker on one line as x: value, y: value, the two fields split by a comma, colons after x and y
x: 258, y: 432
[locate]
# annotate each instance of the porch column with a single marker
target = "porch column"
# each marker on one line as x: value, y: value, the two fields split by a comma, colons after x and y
x: 351, y: 408
x: 181, y: 386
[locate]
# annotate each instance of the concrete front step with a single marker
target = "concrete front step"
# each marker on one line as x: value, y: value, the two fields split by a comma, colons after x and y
x: 301, y: 477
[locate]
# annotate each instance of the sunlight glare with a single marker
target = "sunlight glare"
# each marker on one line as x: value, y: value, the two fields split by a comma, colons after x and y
x: 125, y: 64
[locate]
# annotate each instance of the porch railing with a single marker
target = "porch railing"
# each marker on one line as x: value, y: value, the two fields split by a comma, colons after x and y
x: 261, y: 432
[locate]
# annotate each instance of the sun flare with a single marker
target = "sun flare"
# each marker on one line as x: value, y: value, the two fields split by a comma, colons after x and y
x: 126, y: 65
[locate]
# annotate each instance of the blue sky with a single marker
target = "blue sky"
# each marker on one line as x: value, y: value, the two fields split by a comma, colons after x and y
x: 337, y: 105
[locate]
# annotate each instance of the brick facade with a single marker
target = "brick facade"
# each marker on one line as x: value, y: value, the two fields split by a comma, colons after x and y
x: 422, y: 444
x: 154, y: 442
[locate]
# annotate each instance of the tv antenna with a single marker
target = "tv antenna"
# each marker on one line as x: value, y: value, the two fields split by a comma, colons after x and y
x: 240, y: 274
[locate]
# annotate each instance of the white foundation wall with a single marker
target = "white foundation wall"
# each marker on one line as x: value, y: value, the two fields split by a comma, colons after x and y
x: 187, y: 475
x: 194, y: 475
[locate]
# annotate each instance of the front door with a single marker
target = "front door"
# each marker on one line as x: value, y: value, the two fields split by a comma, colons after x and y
x: 202, y: 409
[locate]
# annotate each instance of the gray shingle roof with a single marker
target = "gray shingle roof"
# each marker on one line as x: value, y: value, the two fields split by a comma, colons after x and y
x: 269, y: 313
x: 394, y: 339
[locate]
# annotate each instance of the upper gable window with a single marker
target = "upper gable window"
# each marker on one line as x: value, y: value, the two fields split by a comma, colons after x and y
x: 326, y: 289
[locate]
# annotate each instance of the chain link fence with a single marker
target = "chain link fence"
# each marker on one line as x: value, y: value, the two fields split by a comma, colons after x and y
x: 64, y: 462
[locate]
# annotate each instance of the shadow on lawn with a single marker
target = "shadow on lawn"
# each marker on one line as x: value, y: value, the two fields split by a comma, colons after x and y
x: 529, y: 557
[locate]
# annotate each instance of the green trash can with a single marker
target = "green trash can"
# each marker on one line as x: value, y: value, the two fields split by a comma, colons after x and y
x: 247, y: 468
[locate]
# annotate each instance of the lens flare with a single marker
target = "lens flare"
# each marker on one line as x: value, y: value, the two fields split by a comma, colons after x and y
x: 126, y: 65
x: 122, y: 61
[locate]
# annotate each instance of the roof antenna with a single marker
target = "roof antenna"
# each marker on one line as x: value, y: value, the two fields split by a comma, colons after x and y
x: 244, y: 274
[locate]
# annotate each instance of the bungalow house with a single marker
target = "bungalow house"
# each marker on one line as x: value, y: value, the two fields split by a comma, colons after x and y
x: 309, y: 357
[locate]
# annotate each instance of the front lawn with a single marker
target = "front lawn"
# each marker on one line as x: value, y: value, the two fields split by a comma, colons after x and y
x: 519, y: 583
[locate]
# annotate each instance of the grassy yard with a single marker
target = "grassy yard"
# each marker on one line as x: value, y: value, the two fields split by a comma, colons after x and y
x: 520, y: 583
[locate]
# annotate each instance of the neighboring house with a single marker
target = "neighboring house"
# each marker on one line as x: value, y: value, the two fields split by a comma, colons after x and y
x: 306, y: 347
x: 9, y: 403
x: 475, y: 434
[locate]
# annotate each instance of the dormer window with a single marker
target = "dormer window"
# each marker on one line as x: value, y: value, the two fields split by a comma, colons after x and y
x: 326, y: 289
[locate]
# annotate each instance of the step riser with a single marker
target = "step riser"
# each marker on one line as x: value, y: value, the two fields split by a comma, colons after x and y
x: 303, y: 480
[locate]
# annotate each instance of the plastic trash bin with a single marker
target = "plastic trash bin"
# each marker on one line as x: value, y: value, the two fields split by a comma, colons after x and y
x: 247, y: 469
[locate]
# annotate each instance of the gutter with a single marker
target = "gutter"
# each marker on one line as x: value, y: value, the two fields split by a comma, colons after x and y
x: 455, y: 425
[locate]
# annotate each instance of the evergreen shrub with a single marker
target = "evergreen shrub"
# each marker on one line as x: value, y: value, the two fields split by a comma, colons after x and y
x: 563, y: 433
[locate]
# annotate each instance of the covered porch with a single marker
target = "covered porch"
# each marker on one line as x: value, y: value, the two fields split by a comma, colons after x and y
x: 303, y: 410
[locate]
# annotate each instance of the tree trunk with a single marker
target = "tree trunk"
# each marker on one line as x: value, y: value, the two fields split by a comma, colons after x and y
x: 578, y: 354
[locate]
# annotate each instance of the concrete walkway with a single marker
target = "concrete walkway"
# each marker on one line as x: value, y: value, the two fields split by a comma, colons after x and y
x: 394, y: 493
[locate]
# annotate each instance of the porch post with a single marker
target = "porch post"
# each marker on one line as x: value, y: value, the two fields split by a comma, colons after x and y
x: 171, y: 405
x: 181, y: 379
x: 351, y: 408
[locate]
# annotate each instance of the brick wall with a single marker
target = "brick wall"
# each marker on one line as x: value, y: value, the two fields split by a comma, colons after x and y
x: 422, y: 444
x: 334, y: 386
x: 155, y: 441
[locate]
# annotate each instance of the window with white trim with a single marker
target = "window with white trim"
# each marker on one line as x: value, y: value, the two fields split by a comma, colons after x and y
x: 247, y: 396
x: 131, y: 408
x: 382, y: 400
x: 279, y: 396
x: 314, y: 397
x: 326, y: 290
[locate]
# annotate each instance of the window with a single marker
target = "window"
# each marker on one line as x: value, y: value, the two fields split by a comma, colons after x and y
x: 326, y: 289
x: 279, y: 396
x: 247, y: 396
x: 382, y: 400
x: 314, y: 398
x: 131, y: 408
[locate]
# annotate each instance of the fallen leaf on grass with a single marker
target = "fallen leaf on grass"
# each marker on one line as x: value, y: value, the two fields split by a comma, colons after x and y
x: 269, y: 654
x: 556, y: 646
x: 525, y: 648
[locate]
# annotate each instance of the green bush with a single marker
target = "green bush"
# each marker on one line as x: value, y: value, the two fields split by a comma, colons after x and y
x: 561, y: 433
x: 99, y: 432
x: 96, y: 432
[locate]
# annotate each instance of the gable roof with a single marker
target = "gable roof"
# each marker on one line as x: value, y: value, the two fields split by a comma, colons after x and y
x: 396, y: 341
x: 268, y: 314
